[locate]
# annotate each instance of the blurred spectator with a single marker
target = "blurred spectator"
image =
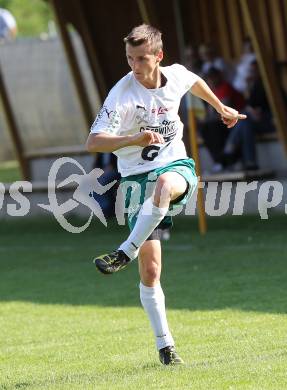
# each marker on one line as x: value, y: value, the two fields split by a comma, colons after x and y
x: 210, y: 59
x: 242, y: 69
x: 192, y: 60
x: 213, y: 131
x: 108, y: 163
x: 193, y: 63
x: 259, y: 120
x: 8, y: 26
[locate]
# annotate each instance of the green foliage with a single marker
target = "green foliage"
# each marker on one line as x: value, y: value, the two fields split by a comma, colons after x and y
x: 65, y: 326
x: 5, y: 3
x: 32, y: 16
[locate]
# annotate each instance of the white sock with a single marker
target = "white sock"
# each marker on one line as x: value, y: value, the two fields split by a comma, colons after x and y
x: 148, y: 219
x: 152, y: 299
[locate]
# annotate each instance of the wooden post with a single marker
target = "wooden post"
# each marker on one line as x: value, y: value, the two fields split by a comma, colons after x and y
x: 195, y: 154
x: 267, y: 68
x: 74, y: 65
x: 91, y: 51
x: 144, y: 11
x: 149, y: 16
x: 13, y: 129
x: 191, y: 122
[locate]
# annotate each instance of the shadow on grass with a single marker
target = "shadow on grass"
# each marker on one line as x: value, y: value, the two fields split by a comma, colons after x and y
x: 241, y: 263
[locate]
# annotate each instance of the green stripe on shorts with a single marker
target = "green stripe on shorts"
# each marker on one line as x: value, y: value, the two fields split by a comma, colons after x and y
x: 137, y: 188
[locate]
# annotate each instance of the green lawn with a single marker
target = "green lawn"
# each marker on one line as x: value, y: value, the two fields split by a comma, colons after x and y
x: 64, y: 326
x: 9, y: 172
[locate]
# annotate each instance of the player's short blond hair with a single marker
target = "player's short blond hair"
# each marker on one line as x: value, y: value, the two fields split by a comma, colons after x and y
x: 145, y: 34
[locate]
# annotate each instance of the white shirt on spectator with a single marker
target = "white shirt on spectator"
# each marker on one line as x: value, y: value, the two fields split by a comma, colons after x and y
x: 242, y: 71
x: 7, y: 24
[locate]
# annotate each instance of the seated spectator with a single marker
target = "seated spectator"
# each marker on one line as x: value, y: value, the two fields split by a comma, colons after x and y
x: 209, y: 59
x: 192, y: 60
x: 259, y: 120
x: 193, y: 63
x: 213, y: 130
x: 242, y: 69
x: 8, y: 27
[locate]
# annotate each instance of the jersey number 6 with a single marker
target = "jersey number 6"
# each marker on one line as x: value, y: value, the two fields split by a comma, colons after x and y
x: 150, y: 152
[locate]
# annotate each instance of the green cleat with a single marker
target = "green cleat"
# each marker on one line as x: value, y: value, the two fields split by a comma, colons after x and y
x: 169, y: 356
x: 112, y: 262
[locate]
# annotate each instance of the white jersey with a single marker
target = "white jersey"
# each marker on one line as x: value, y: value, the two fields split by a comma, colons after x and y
x: 131, y: 108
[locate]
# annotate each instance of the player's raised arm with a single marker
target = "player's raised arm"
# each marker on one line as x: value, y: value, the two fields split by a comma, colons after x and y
x: 101, y: 142
x: 229, y: 115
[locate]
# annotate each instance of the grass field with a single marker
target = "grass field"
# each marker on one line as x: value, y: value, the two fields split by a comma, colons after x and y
x: 64, y: 326
x: 9, y: 171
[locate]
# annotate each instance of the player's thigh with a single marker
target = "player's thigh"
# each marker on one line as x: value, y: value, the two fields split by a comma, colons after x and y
x: 170, y: 183
x: 150, y: 262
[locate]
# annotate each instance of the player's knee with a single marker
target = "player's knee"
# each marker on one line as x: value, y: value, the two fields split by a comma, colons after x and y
x: 163, y: 191
x: 152, y: 271
x: 164, y: 183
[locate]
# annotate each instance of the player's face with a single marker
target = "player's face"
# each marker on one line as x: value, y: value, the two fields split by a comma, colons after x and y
x: 144, y: 63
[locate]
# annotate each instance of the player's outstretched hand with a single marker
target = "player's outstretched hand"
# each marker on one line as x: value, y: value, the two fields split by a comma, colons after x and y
x: 146, y: 138
x: 230, y: 117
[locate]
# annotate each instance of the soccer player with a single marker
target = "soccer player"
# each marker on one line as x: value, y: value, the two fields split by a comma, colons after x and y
x: 139, y: 123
